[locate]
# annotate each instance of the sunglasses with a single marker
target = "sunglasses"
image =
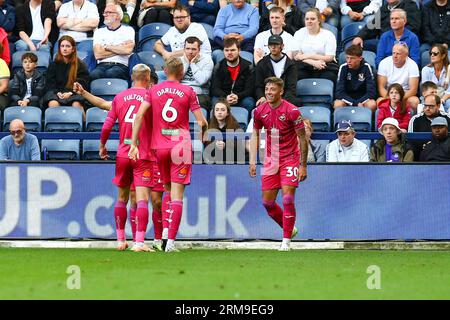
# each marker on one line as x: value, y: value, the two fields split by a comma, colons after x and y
x: 14, y: 132
x: 434, y: 53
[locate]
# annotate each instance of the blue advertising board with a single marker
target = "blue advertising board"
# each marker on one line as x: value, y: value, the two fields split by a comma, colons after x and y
x: 342, y: 202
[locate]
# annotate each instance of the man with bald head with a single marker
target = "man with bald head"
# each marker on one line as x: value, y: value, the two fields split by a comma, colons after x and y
x: 19, y: 145
x: 401, y: 69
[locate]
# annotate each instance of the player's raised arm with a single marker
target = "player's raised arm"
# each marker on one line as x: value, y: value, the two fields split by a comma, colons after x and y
x: 302, y: 172
x: 202, y: 123
x: 254, y: 146
x: 134, y: 152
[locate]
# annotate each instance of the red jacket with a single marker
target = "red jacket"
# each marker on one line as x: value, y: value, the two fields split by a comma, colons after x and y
x: 384, y: 111
x: 4, y: 41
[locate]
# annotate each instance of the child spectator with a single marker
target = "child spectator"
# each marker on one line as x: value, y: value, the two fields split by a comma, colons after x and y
x: 428, y: 87
x: 28, y: 85
x: 395, y: 106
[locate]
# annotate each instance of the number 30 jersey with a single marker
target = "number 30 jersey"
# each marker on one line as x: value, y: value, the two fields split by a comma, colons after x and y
x: 124, y: 107
x: 170, y: 103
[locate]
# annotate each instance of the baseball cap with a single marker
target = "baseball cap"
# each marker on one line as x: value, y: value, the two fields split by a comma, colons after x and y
x: 439, y: 121
x: 344, y: 125
x: 391, y: 121
x: 275, y: 39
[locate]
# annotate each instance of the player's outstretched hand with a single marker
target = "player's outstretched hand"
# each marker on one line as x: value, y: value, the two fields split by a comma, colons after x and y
x: 133, y: 154
x: 78, y: 88
x: 302, y: 173
x: 252, y: 170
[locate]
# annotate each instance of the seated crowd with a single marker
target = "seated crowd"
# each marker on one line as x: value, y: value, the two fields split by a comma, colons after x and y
x: 396, y: 65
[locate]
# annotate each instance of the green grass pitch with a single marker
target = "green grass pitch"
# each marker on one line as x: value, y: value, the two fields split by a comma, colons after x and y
x: 223, y: 274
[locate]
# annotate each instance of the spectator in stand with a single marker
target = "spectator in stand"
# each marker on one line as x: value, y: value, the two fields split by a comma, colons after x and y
x: 7, y: 17
x: 316, y: 151
x: 392, y: 147
x: 237, y: 20
x: 27, y: 88
x: 36, y: 25
x: 158, y: 11
x: 19, y: 146
x: 63, y: 73
x: 203, y: 11
x: 358, y: 10
x: 398, y: 34
x: 346, y: 148
x: 328, y: 10
x: 438, y: 149
x: 276, y: 64
x: 428, y: 88
x: 220, y: 151
x: 58, y: 4
x: 438, y: 71
x: 4, y: 83
x: 233, y: 79
x: 78, y: 19
x: 293, y: 18
x: 368, y: 36
x: 224, y: 3
x: 394, y: 107
x: 356, y: 83
x: 198, y: 70
x: 436, y: 23
x: 316, y: 49
x: 277, y: 21
x: 401, y: 69
x: 176, y: 35
x: 422, y: 122
x: 113, y: 45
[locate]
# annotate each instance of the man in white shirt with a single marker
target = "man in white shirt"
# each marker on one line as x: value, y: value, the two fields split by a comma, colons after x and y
x: 113, y: 45
x: 77, y: 18
x: 277, y: 21
x: 182, y: 29
x: 399, y: 68
x: 346, y: 148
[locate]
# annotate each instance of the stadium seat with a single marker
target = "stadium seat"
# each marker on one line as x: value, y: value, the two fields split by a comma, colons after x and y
x: 361, y: 117
x: 319, y: 116
x: 241, y: 115
x: 315, y: 90
x: 90, y: 149
x: 247, y: 56
x: 107, y: 88
x: 85, y: 45
x: 95, y: 117
x: 349, y: 32
x: 331, y: 28
x: 368, y: 56
x: 209, y: 31
x: 64, y: 118
x: 31, y: 117
x: 161, y: 75
x: 152, y: 59
x: 60, y: 149
x: 42, y: 64
x: 149, y: 32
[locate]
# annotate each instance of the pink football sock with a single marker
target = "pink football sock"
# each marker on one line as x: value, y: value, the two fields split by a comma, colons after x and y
x: 157, y: 224
x: 177, y: 210
x: 165, y: 205
x: 133, y: 221
x: 274, y: 211
x: 288, y: 215
x: 120, y: 215
x: 141, y: 220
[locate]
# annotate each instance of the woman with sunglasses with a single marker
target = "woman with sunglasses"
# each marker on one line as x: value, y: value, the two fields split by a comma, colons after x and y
x: 437, y: 71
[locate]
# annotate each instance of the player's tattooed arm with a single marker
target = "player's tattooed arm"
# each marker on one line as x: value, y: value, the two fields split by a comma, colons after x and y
x: 254, y: 146
x: 302, y: 172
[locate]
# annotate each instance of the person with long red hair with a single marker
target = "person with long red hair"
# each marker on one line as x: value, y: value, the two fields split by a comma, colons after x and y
x: 66, y: 69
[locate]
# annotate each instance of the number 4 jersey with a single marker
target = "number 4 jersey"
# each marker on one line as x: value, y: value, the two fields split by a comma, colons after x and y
x: 124, y: 108
x: 170, y: 103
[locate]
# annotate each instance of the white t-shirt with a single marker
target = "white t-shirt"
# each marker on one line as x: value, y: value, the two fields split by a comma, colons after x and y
x: 323, y: 43
x: 87, y: 11
x: 38, y: 32
x: 28, y: 93
x: 278, y: 67
x: 262, y: 39
x: 398, y: 75
x: 104, y: 36
x: 175, y: 39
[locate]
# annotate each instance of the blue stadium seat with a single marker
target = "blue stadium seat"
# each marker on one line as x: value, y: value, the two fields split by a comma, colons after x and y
x: 247, y: 56
x: 349, y: 32
x: 161, y: 75
x: 319, y: 116
x: 315, y: 90
x: 60, y: 149
x: 151, y: 31
x: 361, y: 117
x: 331, y: 28
x: 90, y: 149
x: 107, y: 88
x: 95, y: 117
x: 31, y: 117
x: 193, y: 126
x: 241, y: 115
x: 369, y: 56
x: 209, y: 31
x: 42, y: 64
x: 152, y: 59
x: 86, y: 45
x: 64, y: 118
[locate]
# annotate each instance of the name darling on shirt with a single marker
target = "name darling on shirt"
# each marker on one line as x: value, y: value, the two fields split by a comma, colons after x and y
x: 159, y: 93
